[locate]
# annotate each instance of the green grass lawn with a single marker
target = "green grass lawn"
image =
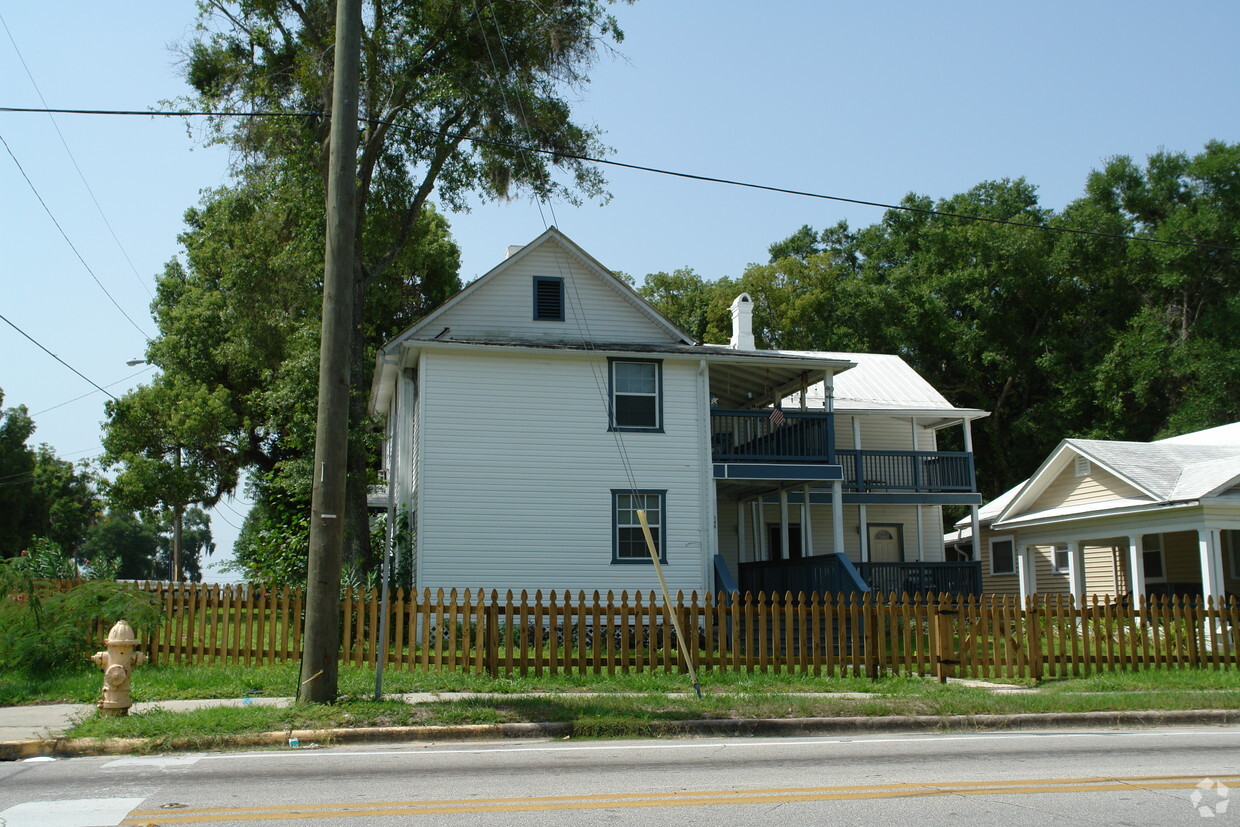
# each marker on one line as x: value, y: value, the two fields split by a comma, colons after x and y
x: 625, y: 706
x: 166, y: 682
x: 624, y: 715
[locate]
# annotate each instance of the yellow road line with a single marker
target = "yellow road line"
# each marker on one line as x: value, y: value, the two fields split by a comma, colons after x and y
x: 677, y: 799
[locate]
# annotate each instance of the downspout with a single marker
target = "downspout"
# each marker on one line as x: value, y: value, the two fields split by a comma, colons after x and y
x: 863, y: 530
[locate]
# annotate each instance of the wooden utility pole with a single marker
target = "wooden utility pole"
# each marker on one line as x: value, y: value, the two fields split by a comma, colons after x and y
x: 321, y: 641
x: 178, y: 520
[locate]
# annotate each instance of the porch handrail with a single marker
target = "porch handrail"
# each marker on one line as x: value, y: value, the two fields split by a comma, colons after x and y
x: 753, y: 436
x: 868, y: 470
x: 724, y: 582
x: 959, y: 578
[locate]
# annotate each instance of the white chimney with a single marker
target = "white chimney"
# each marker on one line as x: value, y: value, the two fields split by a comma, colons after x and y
x: 513, y: 249
x: 742, y: 324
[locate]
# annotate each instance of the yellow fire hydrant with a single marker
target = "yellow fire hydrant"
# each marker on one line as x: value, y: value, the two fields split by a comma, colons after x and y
x: 117, y: 664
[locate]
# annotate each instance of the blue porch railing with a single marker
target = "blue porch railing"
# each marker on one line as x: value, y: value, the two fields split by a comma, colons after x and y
x: 822, y: 573
x: 752, y: 436
x: 836, y: 574
x: 907, y: 470
x: 923, y: 578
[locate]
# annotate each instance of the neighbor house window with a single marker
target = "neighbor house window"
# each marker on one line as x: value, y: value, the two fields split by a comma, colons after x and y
x: 548, y: 299
x: 1002, y: 555
x: 1152, y: 556
x: 636, y: 395
x: 1060, y: 560
x: 628, y: 542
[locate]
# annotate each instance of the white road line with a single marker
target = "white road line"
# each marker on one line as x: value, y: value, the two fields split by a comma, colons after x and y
x: 155, y: 761
x: 500, y: 748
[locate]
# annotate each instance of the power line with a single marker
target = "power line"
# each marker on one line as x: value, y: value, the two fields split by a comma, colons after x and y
x: 92, y: 393
x: 711, y: 179
x: 54, y: 356
x: 70, y: 242
x: 69, y: 152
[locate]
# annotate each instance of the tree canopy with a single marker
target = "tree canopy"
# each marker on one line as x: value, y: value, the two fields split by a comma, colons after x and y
x: 1055, y: 334
x: 456, y: 99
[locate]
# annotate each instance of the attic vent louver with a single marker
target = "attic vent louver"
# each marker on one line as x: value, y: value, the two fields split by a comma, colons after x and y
x: 548, y: 299
x: 1082, y: 466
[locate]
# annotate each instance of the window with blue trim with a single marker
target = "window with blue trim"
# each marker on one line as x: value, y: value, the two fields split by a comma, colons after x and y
x: 628, y: 542
x: 548, y: 299
x: 636, y: 395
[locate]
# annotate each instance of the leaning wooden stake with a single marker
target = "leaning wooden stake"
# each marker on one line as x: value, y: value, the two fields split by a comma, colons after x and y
x: 667, y: 602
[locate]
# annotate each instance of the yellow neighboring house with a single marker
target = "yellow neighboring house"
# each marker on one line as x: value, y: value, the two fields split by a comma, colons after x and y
x: 1101, y: 517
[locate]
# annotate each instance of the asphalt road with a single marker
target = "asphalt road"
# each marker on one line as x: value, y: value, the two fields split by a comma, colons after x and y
x: 1161, y: 776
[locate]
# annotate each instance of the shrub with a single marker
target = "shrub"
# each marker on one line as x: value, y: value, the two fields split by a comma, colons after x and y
x: 47, y: 624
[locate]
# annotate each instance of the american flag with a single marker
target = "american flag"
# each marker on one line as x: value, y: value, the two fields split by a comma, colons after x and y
x: 777, y: 416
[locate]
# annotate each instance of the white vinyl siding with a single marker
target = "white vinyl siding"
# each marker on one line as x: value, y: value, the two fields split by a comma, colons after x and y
x: 503, y: 307
x: 516, y: 490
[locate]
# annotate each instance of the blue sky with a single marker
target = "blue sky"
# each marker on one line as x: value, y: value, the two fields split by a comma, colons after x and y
x: 863, y: 100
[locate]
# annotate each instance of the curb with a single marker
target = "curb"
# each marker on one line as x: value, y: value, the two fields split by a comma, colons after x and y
x: 753, y: 727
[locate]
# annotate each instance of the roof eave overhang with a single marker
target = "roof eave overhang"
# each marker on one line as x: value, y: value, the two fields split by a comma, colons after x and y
x: 1034, y: 521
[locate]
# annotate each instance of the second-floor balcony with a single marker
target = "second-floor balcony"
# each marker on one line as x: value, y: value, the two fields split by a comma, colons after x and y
x: 809, y: 437
x: 907, y: 470
x: 757, y: 436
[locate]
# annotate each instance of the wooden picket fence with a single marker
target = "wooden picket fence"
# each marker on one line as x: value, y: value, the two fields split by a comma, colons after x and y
x: 473, y: 631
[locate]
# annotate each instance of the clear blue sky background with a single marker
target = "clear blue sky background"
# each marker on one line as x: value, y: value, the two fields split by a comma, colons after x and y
x: 864, y: 100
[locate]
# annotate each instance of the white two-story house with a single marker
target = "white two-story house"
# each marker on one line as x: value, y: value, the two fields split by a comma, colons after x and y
x: 532, y: 415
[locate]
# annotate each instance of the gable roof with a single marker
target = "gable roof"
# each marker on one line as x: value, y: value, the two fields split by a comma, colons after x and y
x: 551, y: 236
x: 1177, y: 470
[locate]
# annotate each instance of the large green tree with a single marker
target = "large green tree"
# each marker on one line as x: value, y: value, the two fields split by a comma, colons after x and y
x: 1175, y: 364
x: 456, y: 99
x: 16, y: 474
x: 41, y: 495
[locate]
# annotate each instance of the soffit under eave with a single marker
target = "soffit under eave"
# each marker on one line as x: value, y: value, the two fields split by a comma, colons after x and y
x: 732, y: 382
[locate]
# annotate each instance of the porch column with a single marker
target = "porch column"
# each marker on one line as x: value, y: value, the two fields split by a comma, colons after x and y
x: 921, y: 540
x: 1136, y: 570
x: 837, y: 516
x: 1026, y: 573
x: 1076, y: 572
x: 759, y: 526
x: 973, y: 521
x: 807, y: 531
x: 865, y: 533
x: 783, y: 525
x: 1210, y: 542
x: 740, y: 533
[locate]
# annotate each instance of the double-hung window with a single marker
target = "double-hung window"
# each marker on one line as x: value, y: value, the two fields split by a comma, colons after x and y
x: 1061, y: 560
x: 636, y: 395
x: 1152, y: 558
x: 628, y: 542
x: 1002, y: 556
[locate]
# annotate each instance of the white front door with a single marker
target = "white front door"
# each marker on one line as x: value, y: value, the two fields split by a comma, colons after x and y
x: 886, y: 543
